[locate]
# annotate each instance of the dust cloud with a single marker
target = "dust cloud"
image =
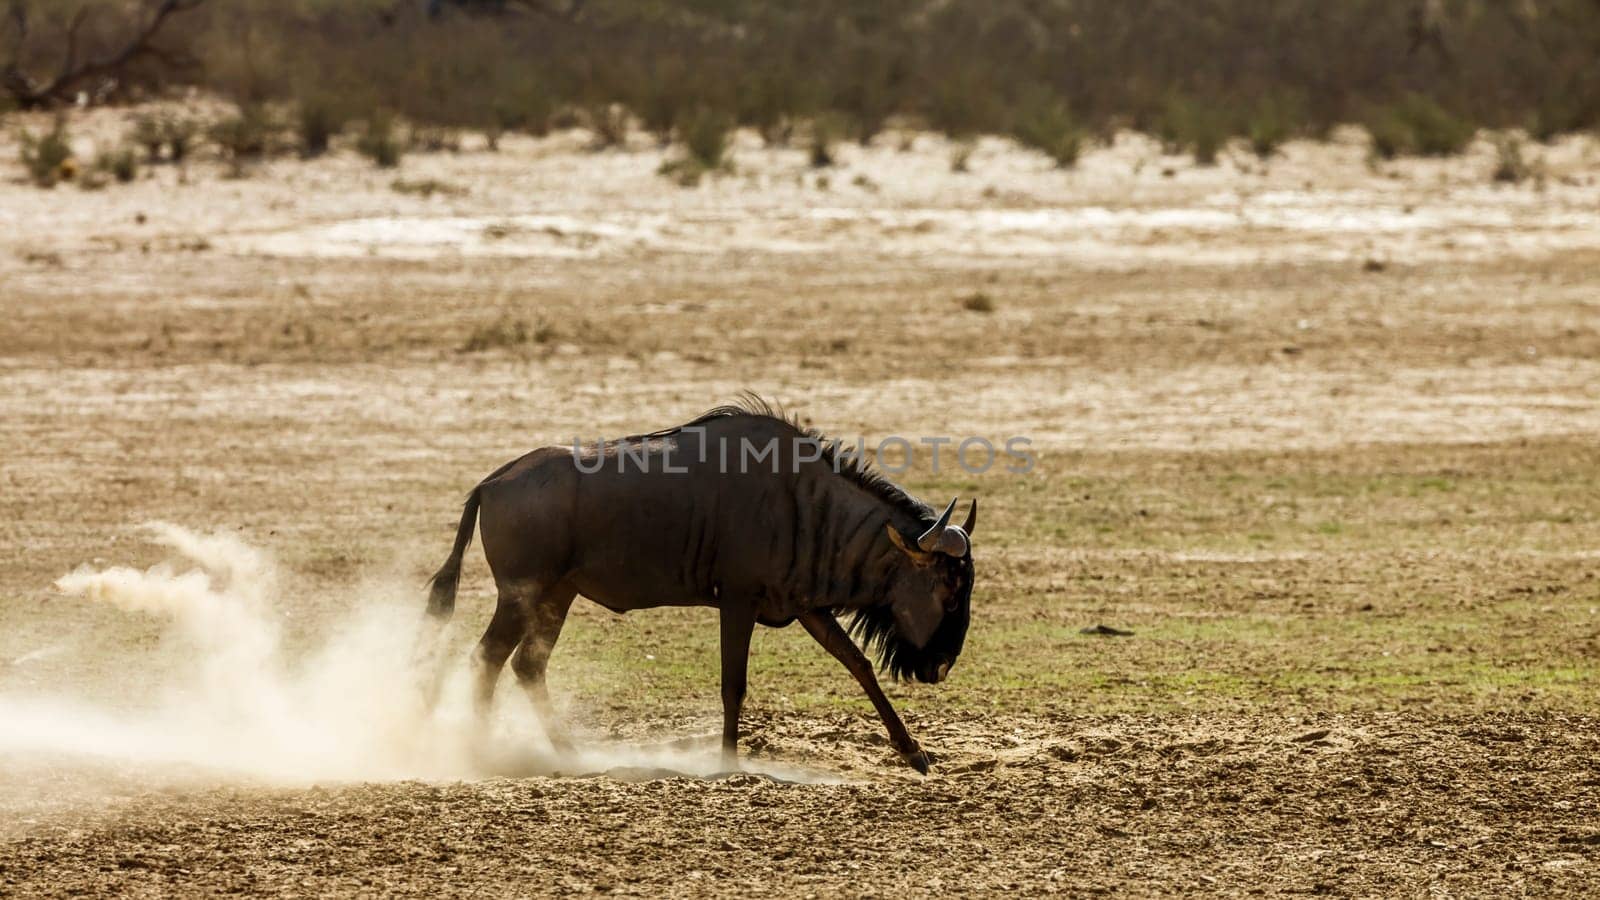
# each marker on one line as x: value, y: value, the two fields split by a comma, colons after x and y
x: 351, y: 709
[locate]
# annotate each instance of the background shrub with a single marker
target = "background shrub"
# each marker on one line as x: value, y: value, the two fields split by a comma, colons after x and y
x: 245, y: 137
x: 319, y: 118
x: 1194, y: 126
x: 379, y: 142
x: 705, y: 134
x: 822, y: 141
x: 1044, y: 123
x: 609, y: 123
x: 1418, y: 125
x: 1195, y: 73
x: 48, y: 157
x: 1273, y: 120
x: 121, y: 163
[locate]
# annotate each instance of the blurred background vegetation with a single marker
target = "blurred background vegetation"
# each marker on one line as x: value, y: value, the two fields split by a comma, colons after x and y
x: 1422, y: 75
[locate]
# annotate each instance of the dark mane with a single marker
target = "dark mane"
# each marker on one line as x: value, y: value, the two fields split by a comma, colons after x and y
x: 874, y: 627
x: 856, y: 468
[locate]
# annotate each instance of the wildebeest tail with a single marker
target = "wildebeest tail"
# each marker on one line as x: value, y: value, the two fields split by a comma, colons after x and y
x: 442, y: 587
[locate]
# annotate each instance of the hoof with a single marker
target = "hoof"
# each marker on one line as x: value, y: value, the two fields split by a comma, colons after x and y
x: 917, y: 759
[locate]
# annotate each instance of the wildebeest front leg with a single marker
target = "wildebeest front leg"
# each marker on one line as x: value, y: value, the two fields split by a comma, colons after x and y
x: 738, y: 622
x: 821, y: 625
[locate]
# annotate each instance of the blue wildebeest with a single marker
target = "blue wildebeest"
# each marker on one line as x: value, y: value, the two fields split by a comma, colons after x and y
x: 741, y: 510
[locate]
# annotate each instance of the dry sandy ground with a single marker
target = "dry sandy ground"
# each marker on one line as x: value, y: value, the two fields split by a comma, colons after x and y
x: 1320, y: 433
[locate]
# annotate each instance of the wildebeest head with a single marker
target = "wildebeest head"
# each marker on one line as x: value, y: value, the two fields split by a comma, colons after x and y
x: 920, y: 629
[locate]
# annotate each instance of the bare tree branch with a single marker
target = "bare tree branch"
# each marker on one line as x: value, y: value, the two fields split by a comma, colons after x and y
x: 73, y: 72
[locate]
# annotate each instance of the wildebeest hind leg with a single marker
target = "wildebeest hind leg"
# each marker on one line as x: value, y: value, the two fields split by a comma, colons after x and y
x: 546, y: 613
x: 499, y: 639
x: 821, y: 625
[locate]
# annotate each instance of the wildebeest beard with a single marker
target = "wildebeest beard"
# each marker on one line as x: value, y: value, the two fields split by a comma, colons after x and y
x: 874, y: 627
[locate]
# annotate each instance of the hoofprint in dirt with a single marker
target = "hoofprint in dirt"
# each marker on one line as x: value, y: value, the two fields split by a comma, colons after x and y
x: 1483, y: 804
x: 1319, y: 433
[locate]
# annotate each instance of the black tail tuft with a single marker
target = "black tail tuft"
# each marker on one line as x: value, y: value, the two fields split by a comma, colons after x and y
x: 442, y: 590
x: 442, y: 587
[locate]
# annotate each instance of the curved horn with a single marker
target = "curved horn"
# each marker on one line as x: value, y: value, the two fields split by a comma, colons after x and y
x: 972, y: 518
x: 931, y: 538
x: 954, y: 542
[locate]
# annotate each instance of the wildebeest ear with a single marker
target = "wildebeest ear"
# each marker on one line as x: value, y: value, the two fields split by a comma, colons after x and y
x: 917, y: 618
x: 920, y: 557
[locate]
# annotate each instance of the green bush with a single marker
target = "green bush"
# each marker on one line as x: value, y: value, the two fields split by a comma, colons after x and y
x: 1561, y: 112
x: 1193, y: 126
x: 705, y: 134
x: 826, y: 131
x: 121, y: 163
x: 524, y: 106
x: 770, y: 102
x: 319, y: 119
x: 871, y: 85
x: 1273, y: 120
x: 1390, y: 134
x: 664, y: 101
x: 1417, y: 125
x: 246, y: 137
x: 435, y: 139
x: 179, y: 133
x: 961, y: 104
x: 609, y: 124
x: 961, y: 156
x: 48, y: 158
x: 167, y: 135
x: 378, y: 141
x: 1046, y: 124
x: 1438, y: 131
x: 147, y: 133
x: 1510, y: 166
